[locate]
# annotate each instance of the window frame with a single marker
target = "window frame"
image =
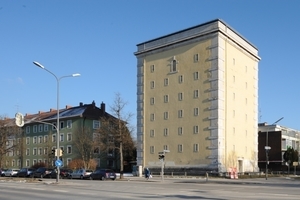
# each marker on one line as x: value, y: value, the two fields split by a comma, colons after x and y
x: 152, y: 68
x: 180, y: 96
x: 180, y: 148
x: 96, y: 124
x: 166, y: 98
x: 166, y: 81
x: 152, y: 84
x: 166, y: 131
x: 180, y: 130
x: 152, y: 133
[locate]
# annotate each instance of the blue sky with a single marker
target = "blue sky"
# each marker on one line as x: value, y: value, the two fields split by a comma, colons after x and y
x: 98, y: 38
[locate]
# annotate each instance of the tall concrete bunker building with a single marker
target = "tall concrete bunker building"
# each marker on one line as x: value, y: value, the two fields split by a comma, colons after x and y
x: 197, y: 97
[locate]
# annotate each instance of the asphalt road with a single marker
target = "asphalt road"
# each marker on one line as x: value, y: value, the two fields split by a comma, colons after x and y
x: 138, y: 188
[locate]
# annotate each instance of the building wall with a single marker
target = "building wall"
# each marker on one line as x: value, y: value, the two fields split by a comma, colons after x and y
x: 227, y: 101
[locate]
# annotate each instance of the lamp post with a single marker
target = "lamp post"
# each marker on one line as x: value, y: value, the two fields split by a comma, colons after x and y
x: 268, y: 148
x: 57, y: 103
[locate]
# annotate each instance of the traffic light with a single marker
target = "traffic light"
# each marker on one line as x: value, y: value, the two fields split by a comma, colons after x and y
x: 53, y: 152
x: 161, y: 156
x: 61, y: 152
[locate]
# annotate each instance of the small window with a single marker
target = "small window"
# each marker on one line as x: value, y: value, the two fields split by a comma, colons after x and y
x: 152, y: 133
x: 27, y: 129
x: 40, y: 151
x: 34, y: 140
x: 69, y: 149
x: 97, y: 151
x: 180, y: 96
x: 196, y: 111
x: 61, y: 125
x: 69, y: 124
x: 46, y: 127
x: 27, y: 152
x: 27, y: 140
x: 152, y: 84
x: 180, y: 113
x: 180, y: 130
x: 35, y: 128
x: 152, y: 101
x: 53, y: 126
x: 152, y: 149
x: 166, y: 115
x: 53, y: 138
x: 196, y: 147
x: 45, y: 138
x: 152, y: 117
x: 40, y: 139
x: 180, y: 148
x: 196, y: 75
x: 96, y: 124
x: 46, y: 151
x: 41, y: 127
x: 196, y: 129
x: 34, y: 151
x: 180, y: 78
x: 166, y: 98
x: 174, y: 65
x: 27, y: 163
x: 61, y: 139
x: 166, y: 132
x: 69, y: 160
x: 166, y: 147
x: 166, y: 81
x: 69, y: 137
x: 151, y: 68
x: 196, y: 94
x: 196, y: 57
x: 34, y: 162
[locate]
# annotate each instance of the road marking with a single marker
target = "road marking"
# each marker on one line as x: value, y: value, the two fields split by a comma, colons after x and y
x: 60, y: 190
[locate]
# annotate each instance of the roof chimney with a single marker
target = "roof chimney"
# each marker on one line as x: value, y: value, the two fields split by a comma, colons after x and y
x: 103, y: 108
x: 80, y: 104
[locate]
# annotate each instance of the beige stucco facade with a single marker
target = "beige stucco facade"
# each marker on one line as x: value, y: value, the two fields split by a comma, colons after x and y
x: 197, y: 96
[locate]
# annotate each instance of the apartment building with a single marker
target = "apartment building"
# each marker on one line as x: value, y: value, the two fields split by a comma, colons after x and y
x: 39, y: 137
x: 197, y: 97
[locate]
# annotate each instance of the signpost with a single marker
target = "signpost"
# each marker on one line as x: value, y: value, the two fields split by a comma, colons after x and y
x: 58, y: 163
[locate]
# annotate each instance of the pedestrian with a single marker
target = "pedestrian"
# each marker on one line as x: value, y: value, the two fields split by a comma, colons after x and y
x: 147, y: 173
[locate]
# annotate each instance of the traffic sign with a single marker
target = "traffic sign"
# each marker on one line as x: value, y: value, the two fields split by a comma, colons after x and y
x: 58, y: 163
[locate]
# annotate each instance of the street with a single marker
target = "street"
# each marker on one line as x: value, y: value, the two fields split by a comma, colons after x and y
x: 142, y: 189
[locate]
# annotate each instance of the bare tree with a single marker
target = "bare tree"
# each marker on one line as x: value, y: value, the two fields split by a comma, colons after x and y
x: 85, y: 144
x: 115, y: 132
x: 9, y: 133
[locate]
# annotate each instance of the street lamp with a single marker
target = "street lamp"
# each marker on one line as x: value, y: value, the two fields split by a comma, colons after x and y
x: 57, y: 103
x: 268, y: 148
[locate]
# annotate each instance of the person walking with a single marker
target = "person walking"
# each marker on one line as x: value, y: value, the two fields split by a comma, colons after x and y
x: 147, y: 173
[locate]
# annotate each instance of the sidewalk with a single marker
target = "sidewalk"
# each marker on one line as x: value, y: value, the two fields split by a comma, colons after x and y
x: 271, y: 180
